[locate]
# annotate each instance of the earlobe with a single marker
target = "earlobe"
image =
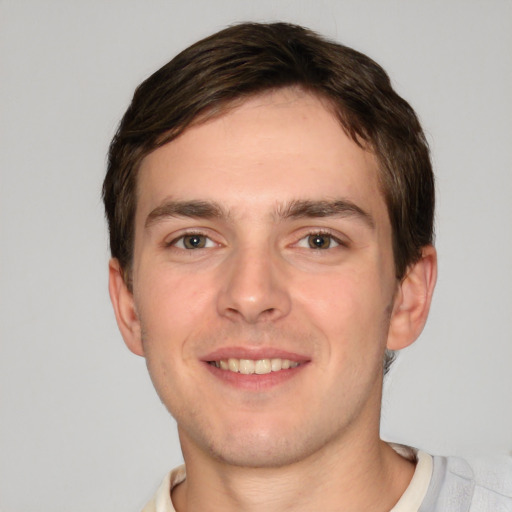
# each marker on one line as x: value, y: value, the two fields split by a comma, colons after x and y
x: 412, y: 301
x: 124, y: 308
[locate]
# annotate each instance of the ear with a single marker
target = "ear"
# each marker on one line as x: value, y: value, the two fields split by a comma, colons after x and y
x: 124, y: 308
x: 412, y: 301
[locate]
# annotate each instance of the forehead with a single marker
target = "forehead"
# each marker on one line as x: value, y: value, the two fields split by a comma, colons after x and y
x: 275, y: 147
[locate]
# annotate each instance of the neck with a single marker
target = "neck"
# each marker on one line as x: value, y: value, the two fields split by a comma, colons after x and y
x: 360, y: 475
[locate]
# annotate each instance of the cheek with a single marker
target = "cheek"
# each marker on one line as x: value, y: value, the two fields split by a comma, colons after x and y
x: 341, y: 299
x: 350, y: 309
x: 172, y: 311
x: 170, y: 298
x: 169, y: 309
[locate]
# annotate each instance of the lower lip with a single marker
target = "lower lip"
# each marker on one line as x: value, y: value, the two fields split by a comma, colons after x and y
x: 255, y: 382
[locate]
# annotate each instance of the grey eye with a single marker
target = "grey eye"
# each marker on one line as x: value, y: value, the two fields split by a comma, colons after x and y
x: 194, y: 241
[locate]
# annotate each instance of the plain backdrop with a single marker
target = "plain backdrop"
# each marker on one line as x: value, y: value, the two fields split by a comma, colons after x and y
x: 81, y: 428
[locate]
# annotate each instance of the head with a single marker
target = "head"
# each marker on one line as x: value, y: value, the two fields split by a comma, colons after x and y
x: 245, y: 60
x: 304, y: 182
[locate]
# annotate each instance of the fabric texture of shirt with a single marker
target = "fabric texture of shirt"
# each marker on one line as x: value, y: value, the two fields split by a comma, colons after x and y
x: 439, y: 484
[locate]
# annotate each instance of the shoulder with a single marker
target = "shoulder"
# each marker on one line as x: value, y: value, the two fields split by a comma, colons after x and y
x: 478, y: 484
x: 493, y: 482
x: 161, y: 501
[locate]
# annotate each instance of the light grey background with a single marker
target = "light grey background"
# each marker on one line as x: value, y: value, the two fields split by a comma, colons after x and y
x: 81, y: 428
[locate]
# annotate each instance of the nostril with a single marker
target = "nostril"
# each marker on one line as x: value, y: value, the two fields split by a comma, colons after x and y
x: 268, y: 314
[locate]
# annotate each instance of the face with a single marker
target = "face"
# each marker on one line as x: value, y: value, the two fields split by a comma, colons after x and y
x: 263, y: 282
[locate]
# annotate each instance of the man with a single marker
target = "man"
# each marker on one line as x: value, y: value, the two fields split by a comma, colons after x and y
x: 270, y: 201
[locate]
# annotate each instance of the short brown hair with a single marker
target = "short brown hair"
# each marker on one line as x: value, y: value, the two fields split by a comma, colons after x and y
x: 250, y: 58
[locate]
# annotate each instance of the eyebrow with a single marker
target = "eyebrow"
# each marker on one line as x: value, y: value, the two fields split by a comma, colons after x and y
x: 296, y: 209
x: 193, y: 209
x: 325, y: 208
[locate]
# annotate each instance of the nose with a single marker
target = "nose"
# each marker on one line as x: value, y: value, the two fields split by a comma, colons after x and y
x: 254, y: 287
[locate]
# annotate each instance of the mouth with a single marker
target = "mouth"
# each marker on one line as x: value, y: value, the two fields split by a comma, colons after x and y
x: 254, y: 366
x: 254, y: 369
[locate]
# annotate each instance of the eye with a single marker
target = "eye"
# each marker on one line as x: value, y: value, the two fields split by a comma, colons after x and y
x: 319, y: 241
x: 192, y: 241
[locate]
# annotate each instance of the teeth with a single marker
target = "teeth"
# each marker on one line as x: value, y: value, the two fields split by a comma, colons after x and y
x: 246, y: 366
x: 233, y: 364
x: 262, y: 366
x: 251, y: 366
x: 276, y: 364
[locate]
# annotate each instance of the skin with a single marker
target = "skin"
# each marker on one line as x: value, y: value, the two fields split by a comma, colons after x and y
x: 257, y: 288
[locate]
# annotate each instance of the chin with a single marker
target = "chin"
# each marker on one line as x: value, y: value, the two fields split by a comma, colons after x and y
x: 254, y: 451
x: 258, y: 446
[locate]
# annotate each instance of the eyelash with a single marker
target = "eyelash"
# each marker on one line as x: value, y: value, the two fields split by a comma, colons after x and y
x: 173, y: 243
x: 323, y: 233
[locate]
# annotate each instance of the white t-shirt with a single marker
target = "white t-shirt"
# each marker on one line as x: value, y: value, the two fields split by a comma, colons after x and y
x: 439, y: 484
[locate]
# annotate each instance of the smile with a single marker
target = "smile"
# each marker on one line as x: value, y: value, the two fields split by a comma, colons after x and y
x: 254, y: 366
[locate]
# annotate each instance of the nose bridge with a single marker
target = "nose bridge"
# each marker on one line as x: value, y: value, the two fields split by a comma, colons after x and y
x: 254, y: 288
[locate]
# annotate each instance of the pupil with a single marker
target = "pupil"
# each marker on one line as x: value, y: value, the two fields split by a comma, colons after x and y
x: 319, y: 241
x: 194, y: 242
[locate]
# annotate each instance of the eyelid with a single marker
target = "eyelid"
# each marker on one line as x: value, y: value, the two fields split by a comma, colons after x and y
x: 180, y: 243
x: 335, y: 236
x: 176, y: 237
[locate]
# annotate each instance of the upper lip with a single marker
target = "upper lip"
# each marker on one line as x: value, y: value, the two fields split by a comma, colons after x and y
x: 255, y: 353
